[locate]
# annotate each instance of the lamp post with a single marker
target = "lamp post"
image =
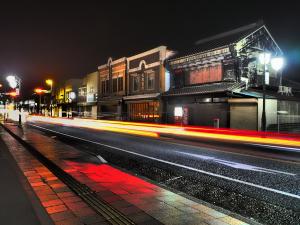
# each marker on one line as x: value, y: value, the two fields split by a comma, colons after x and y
x: 277, y: 64
x: 39, y: 91
x: 50, y: 83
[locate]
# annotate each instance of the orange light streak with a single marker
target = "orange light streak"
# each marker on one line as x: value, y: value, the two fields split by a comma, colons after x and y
x: 153, y: 130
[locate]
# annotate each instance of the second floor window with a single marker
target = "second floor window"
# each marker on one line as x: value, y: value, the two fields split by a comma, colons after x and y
x: 135, y: 83
x: 120, y: 83
x: 149, y: 80
x: 104, y: 86
x: 115, y: 84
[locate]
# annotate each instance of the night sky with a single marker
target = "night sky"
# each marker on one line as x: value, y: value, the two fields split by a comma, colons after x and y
x: 40, y: 40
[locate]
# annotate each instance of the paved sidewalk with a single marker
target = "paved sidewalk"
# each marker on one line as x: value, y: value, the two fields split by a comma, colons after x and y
x: 141, y: 201
x: 18, y: 205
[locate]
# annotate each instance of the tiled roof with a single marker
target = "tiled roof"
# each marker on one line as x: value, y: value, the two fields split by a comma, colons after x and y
x: 220, y: 40
x: 205, y: 89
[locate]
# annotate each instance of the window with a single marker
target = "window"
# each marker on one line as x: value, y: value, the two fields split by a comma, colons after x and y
x: 115, y: 84
x: 107, y: 89
x: 103, y: 87
x: 135, y: 83
x: 150, y: 79
x: 120, y: 83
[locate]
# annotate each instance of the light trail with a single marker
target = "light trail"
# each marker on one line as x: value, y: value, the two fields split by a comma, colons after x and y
x: 287, y: 194
x: 154, y: 130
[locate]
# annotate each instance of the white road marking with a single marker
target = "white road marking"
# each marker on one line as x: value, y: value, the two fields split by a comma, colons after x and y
x: 277, y: 147
x: 179, y: 165
x: 101, y: 159
x: 236, y: 165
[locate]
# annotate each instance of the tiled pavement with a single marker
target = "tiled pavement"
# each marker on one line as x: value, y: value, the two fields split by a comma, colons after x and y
x: 141, y: 201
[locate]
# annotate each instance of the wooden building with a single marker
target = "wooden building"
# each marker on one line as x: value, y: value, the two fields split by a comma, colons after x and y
x: 219, y: 80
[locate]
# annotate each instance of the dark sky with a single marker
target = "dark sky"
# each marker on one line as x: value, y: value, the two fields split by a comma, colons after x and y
x: 64, y: 40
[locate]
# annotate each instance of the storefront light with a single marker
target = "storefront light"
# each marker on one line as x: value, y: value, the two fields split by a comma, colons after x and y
x: 178, y: 111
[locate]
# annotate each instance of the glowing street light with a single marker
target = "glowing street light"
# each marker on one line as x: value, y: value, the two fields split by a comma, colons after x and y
x: 50, y: 83
x: 277, y: 63
x: 12, y: 81
x: 39, y: 91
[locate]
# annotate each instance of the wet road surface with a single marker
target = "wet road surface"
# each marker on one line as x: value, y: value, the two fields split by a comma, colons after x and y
x: 189, y: 166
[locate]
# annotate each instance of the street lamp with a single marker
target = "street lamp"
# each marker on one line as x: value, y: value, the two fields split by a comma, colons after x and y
x: 39, y: 91
x: 277, y: 64
x: 50, y: 83
x: 12, y: 81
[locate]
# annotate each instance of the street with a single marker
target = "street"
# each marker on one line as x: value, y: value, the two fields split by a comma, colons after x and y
x: 233, y: 177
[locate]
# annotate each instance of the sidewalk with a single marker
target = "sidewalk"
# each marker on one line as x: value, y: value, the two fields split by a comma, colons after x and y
x: 18, y: 204
x: 141, y: 201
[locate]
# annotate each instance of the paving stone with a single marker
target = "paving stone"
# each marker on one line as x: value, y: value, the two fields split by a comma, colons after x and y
x: 66, y: 194
x: 70, y: 199
x: 70, y: 221
x: 92, y: 219
x: 62, y: 215
x: 52, y: 203
x: 56, y: 209
x: 82, y: 212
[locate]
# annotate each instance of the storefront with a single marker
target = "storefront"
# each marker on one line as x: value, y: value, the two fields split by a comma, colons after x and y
x: 144, y: 111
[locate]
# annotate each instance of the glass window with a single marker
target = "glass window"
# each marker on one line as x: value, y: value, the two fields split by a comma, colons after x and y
x: 150, y: 79
x: 135, y: 83
x: 115, y: 84
x: 103, y: 87
x: 107, y: 89
x: 120, y: 83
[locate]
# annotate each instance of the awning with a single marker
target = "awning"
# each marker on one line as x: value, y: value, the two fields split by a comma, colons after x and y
x: 220, y: 87
x: 144, y: 96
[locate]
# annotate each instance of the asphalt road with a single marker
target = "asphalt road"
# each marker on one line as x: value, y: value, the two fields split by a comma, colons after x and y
x: 248, y: 180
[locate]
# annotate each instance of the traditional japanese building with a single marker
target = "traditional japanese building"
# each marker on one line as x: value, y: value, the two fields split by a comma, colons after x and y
x: 219, y: 81
x: 147, y: 80
x: 87, y: 96
x: 112, y: 88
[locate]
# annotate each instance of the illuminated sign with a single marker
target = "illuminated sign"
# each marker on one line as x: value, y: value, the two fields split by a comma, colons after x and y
x: 178, y: 111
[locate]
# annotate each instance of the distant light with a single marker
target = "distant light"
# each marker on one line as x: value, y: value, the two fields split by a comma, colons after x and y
x: 277, y: 63
x: 38, y: 90
x: 13, y: 94
x: 49, y: 82
x: 12, y: 81
x: 72, y: 95
x: 178, y: 111
x: 264, y: 58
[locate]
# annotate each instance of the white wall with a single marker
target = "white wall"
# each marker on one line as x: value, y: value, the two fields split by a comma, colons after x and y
x: 271, y: 112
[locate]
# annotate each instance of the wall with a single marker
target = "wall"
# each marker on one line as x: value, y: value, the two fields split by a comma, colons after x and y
x: 202, y: 114
x: 243, y: 116
x: 271, y: 112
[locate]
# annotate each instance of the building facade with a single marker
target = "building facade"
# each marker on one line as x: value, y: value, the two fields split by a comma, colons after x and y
x: 88, y: 95
x: 147, y: 80
x: 112, y: 88
x: 65, y: 101
x: 219, y: 81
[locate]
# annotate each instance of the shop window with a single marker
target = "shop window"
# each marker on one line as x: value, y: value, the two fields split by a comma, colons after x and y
x: 115, y: 84
x: 120, y: 83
